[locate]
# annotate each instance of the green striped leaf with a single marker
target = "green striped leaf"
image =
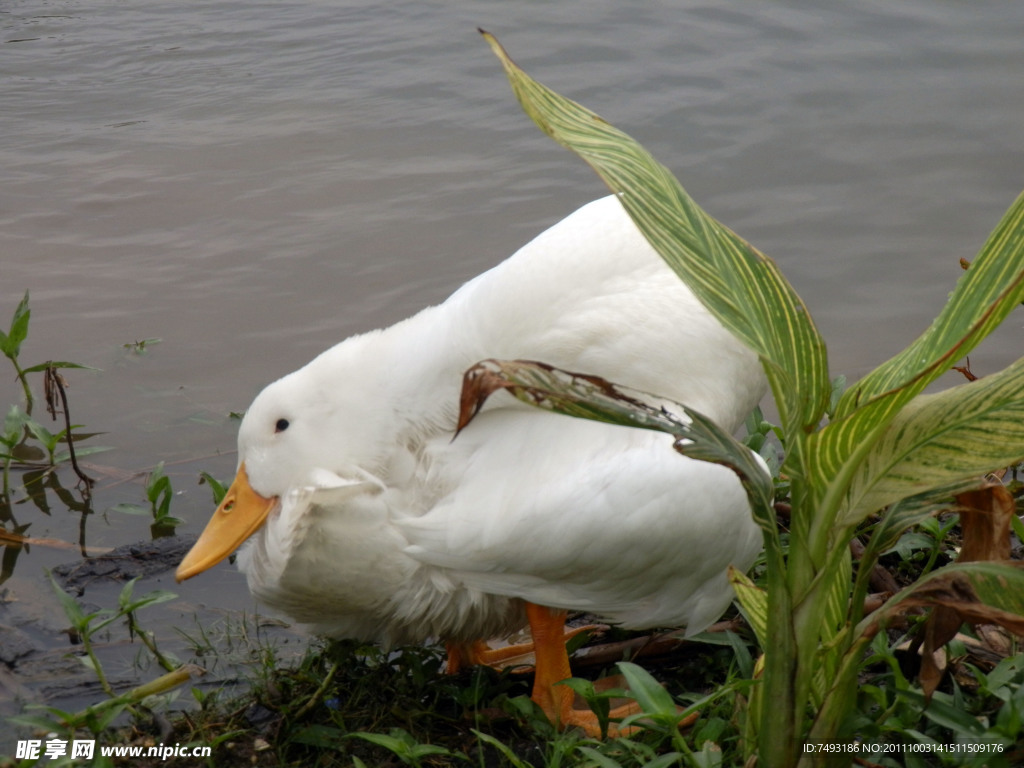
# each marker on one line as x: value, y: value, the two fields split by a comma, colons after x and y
x: 754, y: 602
x: 983, y: 297
x: 740, y: 286
x: 946, y: 439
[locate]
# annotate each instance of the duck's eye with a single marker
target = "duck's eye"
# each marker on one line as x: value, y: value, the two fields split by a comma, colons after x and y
x: 281, y: 426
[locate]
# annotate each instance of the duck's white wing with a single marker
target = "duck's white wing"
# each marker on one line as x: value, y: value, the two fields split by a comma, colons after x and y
x: 574, y: 514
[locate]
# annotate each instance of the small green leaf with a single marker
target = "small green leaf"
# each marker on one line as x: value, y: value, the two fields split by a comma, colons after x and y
x: 41, y: 433
x: 504, y: 749
x: 125, y: 597
x: 58, y: 364
x: 597, y: 758
x: 87, y: 661
x: 753, y: 603
x: 941, y: 713
x: 43, y: 724
x: 648, y: 692
x: 218, y: 488
x: 155, y: 597
x: 130, y: 509
x: 10, y: 342
x: 14, y: 424
x: 109, y: 712
x: 61, y: 456
x: 72, y: 610
x: 323, y: 736
x: 898, y: 518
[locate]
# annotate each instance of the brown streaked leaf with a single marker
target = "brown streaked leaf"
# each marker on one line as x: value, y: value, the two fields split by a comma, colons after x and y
x: 563, y: 391
x: 985, y: 516
x: 985, y: 525
x: 996, y: 640
x: 592, y: 397
x: 938, y: 629
x: 478, y: 384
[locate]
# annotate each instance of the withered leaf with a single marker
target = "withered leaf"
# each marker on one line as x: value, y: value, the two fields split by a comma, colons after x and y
x: 985, y: 529
x: 985, y: 516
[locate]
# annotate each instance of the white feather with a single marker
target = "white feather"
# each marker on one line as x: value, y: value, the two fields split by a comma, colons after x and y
x: 389, y: 530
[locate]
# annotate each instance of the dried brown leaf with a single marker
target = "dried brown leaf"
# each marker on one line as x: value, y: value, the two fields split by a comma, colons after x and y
x: 478, y: 383
x: 985, y: 526
x: 985, y: 523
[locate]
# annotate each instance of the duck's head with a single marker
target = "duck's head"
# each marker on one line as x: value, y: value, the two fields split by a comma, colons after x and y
x: 303, y: 432
x: 270, y: 451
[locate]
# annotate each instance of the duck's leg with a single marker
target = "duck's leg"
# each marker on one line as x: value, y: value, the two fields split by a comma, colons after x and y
x: 519, y: 655
x: 551, y: 666
x: 559, y: 701
x: 552, y: 662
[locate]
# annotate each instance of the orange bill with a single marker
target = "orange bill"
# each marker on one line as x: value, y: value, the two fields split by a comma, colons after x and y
x: 238, y: 517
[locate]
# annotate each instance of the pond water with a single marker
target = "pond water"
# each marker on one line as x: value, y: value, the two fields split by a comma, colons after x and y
x: 251, y: 183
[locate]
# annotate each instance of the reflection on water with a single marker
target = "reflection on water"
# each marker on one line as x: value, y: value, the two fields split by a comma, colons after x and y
x: 252, y: 184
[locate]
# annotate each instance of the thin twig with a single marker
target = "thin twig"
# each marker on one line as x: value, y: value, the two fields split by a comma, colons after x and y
x: 55, y: 380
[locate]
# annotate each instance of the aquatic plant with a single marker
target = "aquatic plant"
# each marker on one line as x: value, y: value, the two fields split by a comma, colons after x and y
x: 159, y: 494
x: 10, y: 345
x: 19, y: 425
x: 83, y: 628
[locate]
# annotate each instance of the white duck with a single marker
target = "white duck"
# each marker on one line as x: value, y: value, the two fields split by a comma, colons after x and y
x: 368, y: 521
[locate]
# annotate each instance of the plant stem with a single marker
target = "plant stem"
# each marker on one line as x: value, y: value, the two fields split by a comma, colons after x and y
x: 147, y: 640
x: 24, y: 384
x: 319, y: 692
x: 96, y: 666
x: 54, y: 378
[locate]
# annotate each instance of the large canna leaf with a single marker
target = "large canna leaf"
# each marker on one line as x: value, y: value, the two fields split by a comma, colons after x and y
x: 947, y: 439
x: 740, y: 286
x: 983, y: 297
